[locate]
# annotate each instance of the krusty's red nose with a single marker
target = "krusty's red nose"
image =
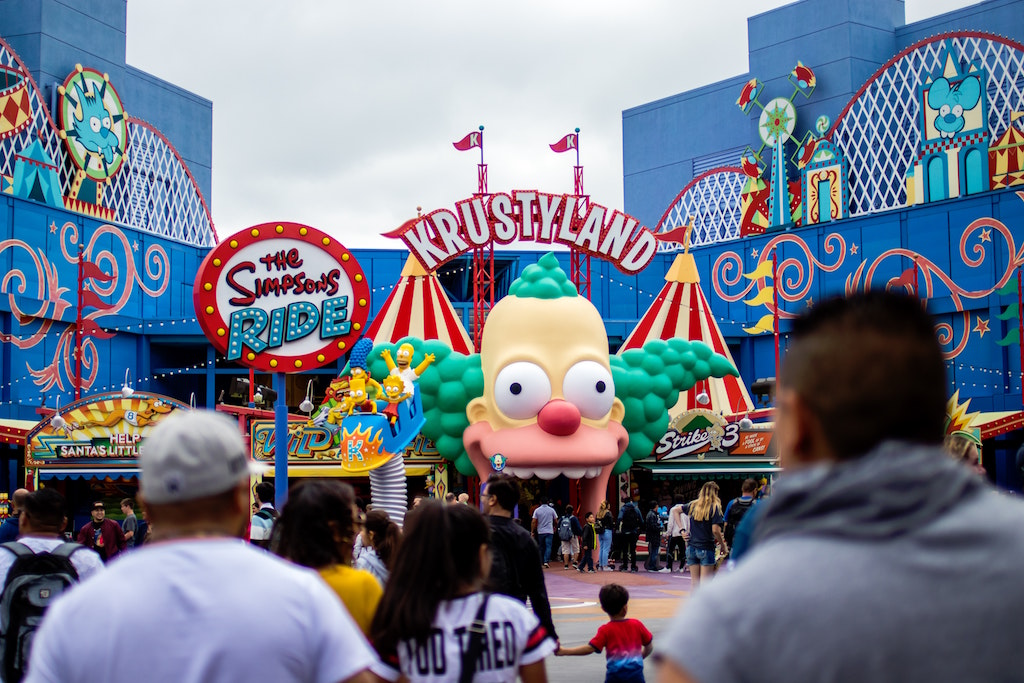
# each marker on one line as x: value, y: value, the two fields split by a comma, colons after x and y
x: 559, y: 417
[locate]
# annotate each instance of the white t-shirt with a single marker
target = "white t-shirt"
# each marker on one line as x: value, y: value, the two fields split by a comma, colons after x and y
x: 678, y: 520
x: 514, y: 637
x: 210, y: 610
x: 545, y: 517
x: 85, y: 561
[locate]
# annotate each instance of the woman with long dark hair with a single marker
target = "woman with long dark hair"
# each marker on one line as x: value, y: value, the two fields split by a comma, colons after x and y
x: 316, y: 530
x: 435, y: 594
x: 380, y: 540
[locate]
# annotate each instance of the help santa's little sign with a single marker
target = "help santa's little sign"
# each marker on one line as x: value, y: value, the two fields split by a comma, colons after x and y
x: 281, y: 297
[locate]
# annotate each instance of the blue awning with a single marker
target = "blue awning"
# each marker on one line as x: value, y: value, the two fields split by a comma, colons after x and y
x: 88, y: 473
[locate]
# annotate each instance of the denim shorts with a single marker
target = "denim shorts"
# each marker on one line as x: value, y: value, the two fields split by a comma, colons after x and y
x: 705, y: 558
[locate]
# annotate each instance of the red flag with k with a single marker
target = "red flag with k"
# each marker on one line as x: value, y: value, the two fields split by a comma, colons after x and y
x: 474, y: 139
x: 565, y: 144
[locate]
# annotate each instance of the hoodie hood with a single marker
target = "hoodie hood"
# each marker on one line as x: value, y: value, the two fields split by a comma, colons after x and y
x: 893, y: 490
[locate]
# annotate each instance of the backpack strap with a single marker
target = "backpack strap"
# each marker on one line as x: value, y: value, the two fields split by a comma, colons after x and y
x: 476, y: 642
x: 66, y: 549
x: 19, y: 549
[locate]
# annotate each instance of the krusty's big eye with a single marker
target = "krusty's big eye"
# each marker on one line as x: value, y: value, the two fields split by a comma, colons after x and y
x: 521, y: 390
x: 588, y: 385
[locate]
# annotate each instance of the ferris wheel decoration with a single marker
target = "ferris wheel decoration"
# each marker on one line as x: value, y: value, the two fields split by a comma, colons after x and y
x: 771, y: 205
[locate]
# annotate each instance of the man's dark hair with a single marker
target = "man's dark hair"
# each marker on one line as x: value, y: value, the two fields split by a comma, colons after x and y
x: 569, y: 510
x: 749, y: 486
x: 46, y: 509
x: 129, y: 502
x: 265, y: 491
x: 870, y: 369
x: 613, y: 598
x: 506, y: 489
x: 544, y: 500
x: 678, y: 499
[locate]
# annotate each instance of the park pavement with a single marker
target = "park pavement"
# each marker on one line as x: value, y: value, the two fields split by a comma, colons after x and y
x: 653, y: 599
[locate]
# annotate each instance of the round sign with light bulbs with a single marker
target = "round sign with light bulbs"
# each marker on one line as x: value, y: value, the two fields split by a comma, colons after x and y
x: 281, y: 297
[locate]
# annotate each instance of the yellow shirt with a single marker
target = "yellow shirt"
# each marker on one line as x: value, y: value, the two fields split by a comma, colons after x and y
x: 358, y: 589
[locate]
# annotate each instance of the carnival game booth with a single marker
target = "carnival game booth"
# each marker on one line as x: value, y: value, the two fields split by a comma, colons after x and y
x: 89, y: 449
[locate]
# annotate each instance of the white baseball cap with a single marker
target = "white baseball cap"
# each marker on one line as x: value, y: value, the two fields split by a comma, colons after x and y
x: 192, y: 454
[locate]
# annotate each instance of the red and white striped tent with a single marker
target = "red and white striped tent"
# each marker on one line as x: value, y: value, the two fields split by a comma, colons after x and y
x: 418, y: 307
x: 680, y: 310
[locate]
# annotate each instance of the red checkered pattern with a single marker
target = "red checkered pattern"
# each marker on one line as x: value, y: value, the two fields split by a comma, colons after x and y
x: 948, y: 143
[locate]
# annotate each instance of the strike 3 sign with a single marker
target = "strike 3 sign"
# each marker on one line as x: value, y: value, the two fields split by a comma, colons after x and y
x: 281, y: 297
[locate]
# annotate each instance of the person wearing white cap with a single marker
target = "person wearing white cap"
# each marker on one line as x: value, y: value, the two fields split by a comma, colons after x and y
x: 198, y: 603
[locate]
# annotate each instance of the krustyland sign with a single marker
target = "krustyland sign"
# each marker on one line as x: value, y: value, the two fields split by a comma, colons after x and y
x: 281, y: 297
x: 528, y: 216
x: 701, y: 433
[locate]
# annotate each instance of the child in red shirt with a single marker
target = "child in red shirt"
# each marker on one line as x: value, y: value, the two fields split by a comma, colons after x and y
x: 626, y: 641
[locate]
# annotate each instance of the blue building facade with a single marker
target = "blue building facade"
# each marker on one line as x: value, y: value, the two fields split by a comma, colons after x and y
x: 848, y: 181
x: 858, y: 152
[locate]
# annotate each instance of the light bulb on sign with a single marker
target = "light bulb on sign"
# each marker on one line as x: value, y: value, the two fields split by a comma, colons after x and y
x: 703, y: 398
x: 57, y: 421
x: 307, y: 405
x: 746, y: 423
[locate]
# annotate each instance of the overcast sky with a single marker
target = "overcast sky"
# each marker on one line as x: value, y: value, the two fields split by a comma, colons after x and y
x: 341, y: 115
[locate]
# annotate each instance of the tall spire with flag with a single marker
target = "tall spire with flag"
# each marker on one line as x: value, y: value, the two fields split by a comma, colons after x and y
x: 579, y: 263
x: 680, y: 310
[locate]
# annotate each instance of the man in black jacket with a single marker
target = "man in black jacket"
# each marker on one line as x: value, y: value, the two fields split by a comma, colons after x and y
x: 515, y: 561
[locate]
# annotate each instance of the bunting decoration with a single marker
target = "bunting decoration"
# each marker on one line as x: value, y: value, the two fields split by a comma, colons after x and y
x: 765, y: 296
x: 1011, y: 312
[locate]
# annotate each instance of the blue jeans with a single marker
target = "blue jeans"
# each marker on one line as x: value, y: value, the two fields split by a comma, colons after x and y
x: 653, y: 563
x: 606, y: 547
x: 544, y: 541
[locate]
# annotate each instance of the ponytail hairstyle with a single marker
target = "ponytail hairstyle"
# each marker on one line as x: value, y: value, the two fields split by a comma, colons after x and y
x: 385, y: 536
x: 316, y: 527
x: 440, y: 557
x: 707, y: 505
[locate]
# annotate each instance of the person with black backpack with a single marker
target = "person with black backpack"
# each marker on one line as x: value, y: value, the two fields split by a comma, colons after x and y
x: 38, y: 568
x: 630, y: 521
x: 738, y: 507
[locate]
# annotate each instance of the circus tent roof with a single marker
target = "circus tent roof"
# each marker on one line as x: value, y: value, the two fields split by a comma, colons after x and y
x: 418, y: 307
x: 680, y: 310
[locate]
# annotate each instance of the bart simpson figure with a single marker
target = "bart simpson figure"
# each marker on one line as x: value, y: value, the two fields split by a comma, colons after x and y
x: 403, y: 366
x: 357, y: 397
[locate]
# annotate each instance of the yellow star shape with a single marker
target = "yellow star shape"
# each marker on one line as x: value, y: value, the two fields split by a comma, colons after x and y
x: 981, y: 327
x: 986, y: 235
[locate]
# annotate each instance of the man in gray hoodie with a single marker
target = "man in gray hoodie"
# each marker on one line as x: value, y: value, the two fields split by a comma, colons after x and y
x: 877, y: 558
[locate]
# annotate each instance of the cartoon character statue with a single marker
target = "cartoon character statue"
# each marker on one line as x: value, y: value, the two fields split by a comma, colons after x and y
x: 952, y: 101
x: 402, y: 367
x: 545, y: 394
x: 357, y: 367
x: 394, y: 393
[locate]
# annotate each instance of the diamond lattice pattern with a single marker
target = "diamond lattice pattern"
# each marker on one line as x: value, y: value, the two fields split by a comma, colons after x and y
x: 878, y: 134
x: 153, y: 190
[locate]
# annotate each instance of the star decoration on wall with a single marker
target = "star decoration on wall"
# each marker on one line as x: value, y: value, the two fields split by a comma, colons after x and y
x: 853, y: 248
x: 753, y: 253
x: 986, y: 235
x: 135, y: 245
x: 981, y: 328
x: 53, y: 228
x: 810, y: 301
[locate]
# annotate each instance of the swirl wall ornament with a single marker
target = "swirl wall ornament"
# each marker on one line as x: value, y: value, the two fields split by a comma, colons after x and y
x: 794, y: 274
x: 42, y: 284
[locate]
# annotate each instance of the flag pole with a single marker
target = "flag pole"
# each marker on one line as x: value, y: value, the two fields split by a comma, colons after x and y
x: 775, y: 301
x: 1020, y: 335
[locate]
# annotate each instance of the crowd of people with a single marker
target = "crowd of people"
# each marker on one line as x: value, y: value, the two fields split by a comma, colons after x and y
x: 872, y: 552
